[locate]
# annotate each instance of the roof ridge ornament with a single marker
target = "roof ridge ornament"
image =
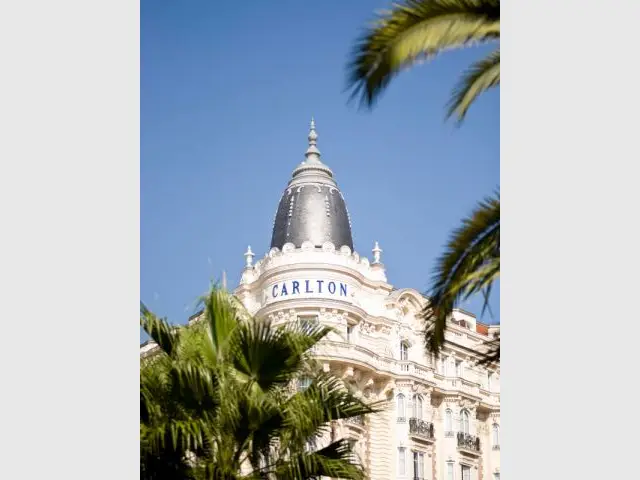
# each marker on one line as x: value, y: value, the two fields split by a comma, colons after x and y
x: 376, y: 253
x: 312, y: 165
x: 312, y: 153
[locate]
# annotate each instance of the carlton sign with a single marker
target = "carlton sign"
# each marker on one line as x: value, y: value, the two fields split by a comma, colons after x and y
x: 307, y: 288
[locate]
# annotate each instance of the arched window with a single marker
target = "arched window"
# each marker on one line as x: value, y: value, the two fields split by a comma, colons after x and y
x: 303, y: 383
x: 404, y: 351
x: 401, y: 407
x: 417, y: 407
x: 464, y: 421
x: 448, y: 424
x: 496, y: 435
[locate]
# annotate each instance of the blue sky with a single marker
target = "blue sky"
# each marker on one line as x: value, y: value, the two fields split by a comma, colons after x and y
x: 227, y: 92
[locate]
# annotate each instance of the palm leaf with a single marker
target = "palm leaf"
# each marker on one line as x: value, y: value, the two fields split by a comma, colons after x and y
x: 174, y: 435
x: 470, y: 263
x: 159, y: 330
x: 492, y: 354
x: 482, y: 76
x: 195, y: 386
x: 415, y: 30
x: 221, y: 319
x: 335, y: 461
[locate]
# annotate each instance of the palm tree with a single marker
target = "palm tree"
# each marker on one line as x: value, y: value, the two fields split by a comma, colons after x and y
x: 469, y: 265
x: 410, y: 33
x: 419, y: 29
x: 216, y: 400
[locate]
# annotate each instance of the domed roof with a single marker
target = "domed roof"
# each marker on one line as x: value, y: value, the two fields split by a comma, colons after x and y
x: 312, y: 207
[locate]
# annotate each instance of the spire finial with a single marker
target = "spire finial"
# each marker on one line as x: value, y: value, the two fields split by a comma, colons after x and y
x: 376, y: 253
x: 313, y: 154
x: 249, y: 257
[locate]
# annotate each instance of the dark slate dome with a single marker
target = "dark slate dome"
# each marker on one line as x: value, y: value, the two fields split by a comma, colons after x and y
x: 312, y: 207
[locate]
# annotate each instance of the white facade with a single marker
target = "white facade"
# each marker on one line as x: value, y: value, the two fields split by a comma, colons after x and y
x: 442, y: 416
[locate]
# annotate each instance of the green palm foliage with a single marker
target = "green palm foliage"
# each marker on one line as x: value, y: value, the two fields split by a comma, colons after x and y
x: 469, y: 265
x: 217, y: 400
x: 416, y: 30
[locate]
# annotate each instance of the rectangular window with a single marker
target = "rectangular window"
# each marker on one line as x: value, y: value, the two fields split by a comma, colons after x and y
x: 418, y: 465
x: 349, y: 333
x: 307, y: 321
x: 466, y: 472
x: 401, y: 462
x: 458, y: 368
x: 489, y: 375
x: 449, y: 471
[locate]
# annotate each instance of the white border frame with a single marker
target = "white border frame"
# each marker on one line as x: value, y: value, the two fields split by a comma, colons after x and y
x: 70, y: 244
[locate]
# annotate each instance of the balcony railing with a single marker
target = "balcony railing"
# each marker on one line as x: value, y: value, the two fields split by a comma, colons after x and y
x: 421, y: 428
x: 468, y: 442
x: 402, y: 419
x: 496, y: 447
x: 359, y: 420
x: 448, y: 434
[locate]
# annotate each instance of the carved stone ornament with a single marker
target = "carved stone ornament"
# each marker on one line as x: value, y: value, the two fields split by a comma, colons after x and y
x: 367, y: 328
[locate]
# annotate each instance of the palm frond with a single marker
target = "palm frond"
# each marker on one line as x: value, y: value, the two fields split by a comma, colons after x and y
x: 174, y: 435
x: 221, y: 319
x: 414, y: 30
x: 309, y: 412
x: 492, y: 354
x: 195, y: 386
x: 469, y: 263
x: 335, y: 461
x: 159, y: 330
x: 480, y: 77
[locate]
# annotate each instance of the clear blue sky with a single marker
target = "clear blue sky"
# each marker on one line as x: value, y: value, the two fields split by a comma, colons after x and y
x: 227, y: 92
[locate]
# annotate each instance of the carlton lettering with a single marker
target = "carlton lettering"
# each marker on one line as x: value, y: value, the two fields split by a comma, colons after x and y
x: 298, y: 287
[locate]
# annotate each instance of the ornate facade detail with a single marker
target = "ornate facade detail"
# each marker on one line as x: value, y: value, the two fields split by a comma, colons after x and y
x: 367, y: 328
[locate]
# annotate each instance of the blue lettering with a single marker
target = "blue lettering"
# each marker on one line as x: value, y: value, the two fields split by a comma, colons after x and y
x: 274, y: 291
x: 296, y: 286
x: 306, y: 282
x: 343, y: 289
x: 320, y: 282
x: 332, y: 288
x: 284, y: 289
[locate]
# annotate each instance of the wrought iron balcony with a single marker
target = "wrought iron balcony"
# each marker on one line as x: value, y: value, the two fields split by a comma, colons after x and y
x: 421, y: 428
x: 359, y: 420
x: 468, y: 442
